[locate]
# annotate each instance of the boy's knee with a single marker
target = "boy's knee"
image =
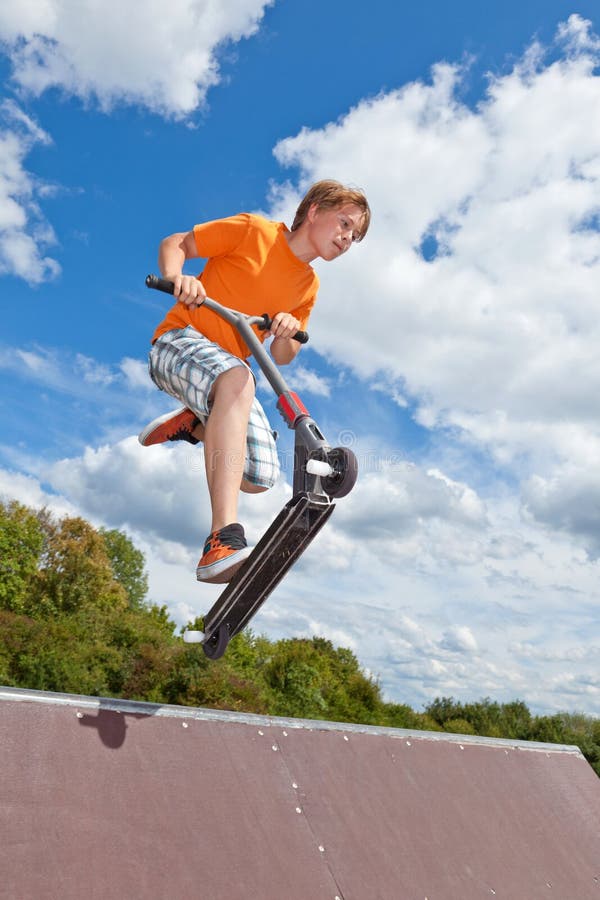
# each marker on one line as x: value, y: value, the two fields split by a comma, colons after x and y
x: 236, y: 381
x: 248, y: 487
x: 240, y: 375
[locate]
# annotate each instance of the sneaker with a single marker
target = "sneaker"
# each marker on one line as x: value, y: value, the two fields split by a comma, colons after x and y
x: 224, y: 552
x: 173, y: 426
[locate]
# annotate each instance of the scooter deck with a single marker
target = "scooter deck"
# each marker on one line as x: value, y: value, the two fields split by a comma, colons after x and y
x: 276, y: 552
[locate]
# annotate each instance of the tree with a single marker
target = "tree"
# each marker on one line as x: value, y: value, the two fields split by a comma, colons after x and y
x: 21, y: 542
x: 73, y: 617
x: 75, y: 570
x: 484, y: 717
x: 127, y: 563
x: 312, y: 679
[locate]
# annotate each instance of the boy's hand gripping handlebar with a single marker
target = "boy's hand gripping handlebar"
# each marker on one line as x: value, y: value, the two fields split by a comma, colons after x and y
x: 232, y: 316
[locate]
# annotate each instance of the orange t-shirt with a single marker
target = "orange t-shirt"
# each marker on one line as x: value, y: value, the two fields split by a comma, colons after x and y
x: 251, y: 269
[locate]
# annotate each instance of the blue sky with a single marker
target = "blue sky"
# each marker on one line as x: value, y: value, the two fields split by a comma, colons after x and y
x: 455, y: 349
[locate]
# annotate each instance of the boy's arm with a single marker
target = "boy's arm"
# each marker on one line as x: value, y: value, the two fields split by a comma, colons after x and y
x: 172, y: 254
x: 283, y: 347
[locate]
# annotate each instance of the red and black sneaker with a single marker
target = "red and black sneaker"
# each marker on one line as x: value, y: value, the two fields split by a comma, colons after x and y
x: 173, y: 426
x: 224, y: 552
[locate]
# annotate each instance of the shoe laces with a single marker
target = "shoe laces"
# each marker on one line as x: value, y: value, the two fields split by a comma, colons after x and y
x: 184, y: 433
x: 231, y: 536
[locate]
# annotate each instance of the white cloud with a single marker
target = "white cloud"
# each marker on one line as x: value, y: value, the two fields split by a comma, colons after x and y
x: 24, y: 233
x: 299, y: 378
x: 118, y: 52
x: 136, y: 374
x: 75, y: 374
x: 154, y: 490
x: 27, y: 489
x: 398, y: 502
x: 436, y: 593
x: 86, y: 400
x: 444, y: 584
x: 309, y: 381
x: 568, y: 501
x: 93, y: 372
x: 159, y: 492
x: 491, y: 327
x: 166, y: 62
x: 459, y: 639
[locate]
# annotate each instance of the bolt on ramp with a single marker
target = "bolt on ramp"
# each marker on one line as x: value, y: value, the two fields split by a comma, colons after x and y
x: 117, y: 800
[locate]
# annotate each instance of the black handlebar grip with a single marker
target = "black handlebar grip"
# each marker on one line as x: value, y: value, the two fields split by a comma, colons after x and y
x: 159, y: 284
x: 300, y: 336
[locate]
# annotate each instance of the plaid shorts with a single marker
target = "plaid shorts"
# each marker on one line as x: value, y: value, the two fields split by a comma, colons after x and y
x: 186, y: 364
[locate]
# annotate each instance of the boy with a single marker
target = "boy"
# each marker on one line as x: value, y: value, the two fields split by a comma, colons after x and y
x: 254, y: 266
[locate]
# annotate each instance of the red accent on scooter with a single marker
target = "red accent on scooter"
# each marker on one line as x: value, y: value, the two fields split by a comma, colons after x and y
x: 291, y: 408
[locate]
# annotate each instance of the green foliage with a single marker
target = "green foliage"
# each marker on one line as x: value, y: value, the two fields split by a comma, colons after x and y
x: 73, y: 618
x: 127, y: 563
x: 399, y: 715
x: 76, y: 571
x: 514, y: 721
x: 21, y: 542
x: 508, y: 720
x: 312, y: 679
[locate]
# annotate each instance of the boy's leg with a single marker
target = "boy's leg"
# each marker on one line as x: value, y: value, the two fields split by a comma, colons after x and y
x: 225, y: 442
x: 239, y: 447
x: 201, y: 375
x: 239, y: 451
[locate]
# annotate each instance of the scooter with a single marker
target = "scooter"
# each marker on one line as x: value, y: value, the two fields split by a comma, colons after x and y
x: 321, y: 474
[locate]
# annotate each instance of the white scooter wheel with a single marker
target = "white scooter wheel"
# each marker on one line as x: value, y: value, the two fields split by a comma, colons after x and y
x: 193, y: 637
x: 319, y: 467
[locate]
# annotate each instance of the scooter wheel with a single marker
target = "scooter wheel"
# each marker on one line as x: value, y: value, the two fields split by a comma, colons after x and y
x: 216, y: 645
x: 193, y: 637
x: 345, y: 472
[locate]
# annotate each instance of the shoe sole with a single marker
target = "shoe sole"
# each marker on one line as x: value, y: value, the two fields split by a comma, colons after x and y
x: 156, y: 423
x: 223, y: 570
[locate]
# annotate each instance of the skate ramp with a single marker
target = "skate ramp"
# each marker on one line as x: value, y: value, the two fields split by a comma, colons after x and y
x: 115, y: 800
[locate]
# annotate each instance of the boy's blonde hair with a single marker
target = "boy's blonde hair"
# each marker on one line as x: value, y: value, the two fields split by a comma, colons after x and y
x: 329, y: 194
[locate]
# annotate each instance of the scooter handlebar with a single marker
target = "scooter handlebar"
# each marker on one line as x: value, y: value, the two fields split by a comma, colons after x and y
x: 263, y: 322
x: 159, y: 284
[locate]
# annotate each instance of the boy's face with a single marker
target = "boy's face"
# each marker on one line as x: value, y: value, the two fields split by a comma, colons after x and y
x: 333, y: 231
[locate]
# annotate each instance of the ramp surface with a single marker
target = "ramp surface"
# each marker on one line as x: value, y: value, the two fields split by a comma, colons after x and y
x: 128, y: 801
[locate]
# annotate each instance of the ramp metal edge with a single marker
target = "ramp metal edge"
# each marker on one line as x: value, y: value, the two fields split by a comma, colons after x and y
x: 142, y: 708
